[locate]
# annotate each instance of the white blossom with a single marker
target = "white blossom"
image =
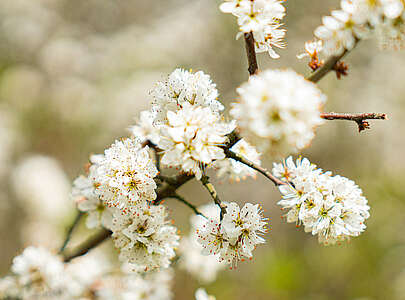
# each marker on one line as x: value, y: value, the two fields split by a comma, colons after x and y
x: 201, y: 294
x: 145, y: 129
x: 278, y: 111
x: 125, y: 175
x: 192, y: 138
x: 236, y: 236
x: 262, y: 18
x: 204, y: 268
x: 39, y: 274
x: 144, y: 237
x: 234, y: 169
x: 312, y: 48
x: 87, y: 200
x: 182, y: 87
x: 358, y: 19
x: 332, y: 207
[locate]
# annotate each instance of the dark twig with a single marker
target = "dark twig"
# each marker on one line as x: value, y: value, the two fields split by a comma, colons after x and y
x: 359, y: 118
x: 70, y: 231
x: 193, y: 207
x: 211, y: 189
x: 251, y: 53
x: 87, y: 245
x: 237, y: 157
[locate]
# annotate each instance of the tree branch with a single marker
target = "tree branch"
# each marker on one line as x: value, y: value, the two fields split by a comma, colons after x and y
x: 251, y: 53
x: 328, y: 65
x: 359, y: 118
x: 87, y: 245
x: 241, y: 159
x: 70, y: 231
x: 193, y: 207
x: 211, y: 189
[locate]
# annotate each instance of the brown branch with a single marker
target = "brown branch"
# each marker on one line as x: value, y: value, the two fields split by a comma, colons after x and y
x: 193, y: 207
x: 70, y: 231
x: 359, y: 118
x: 211, y: 189
x: 328, y: 66
x: 241, y: 159
x: 87, y: 245
x: 251, y: 53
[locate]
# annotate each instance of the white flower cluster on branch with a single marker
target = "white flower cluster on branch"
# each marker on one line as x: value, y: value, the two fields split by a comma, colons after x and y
x: 145, y: 238
x: 278, y: 111
x: 360, y: 19
x: 236, y: 235
x: 182, y: 87
x: 192, y: 138
x: 332, y: 207
x: 262, y: 18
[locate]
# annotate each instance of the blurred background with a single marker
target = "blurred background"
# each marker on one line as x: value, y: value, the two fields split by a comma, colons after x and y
x: 75, y: 74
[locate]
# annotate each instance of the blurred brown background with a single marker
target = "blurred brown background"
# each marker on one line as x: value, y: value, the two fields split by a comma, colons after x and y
x: 74, y: 74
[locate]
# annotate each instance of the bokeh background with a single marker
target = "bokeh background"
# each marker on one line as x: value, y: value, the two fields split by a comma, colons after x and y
x: 75, y: 74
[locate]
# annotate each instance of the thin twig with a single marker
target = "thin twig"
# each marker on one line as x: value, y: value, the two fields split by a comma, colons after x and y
x: 193, y: 207
x: 70, y: 231
x: 251, y: 53
x: 239, y: 158
x: 211, y: 189
x: 328, y: 66
x: 89, y: 244
x: 359, y: 118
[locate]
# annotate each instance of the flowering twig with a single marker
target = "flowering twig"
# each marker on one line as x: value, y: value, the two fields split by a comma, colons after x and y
x: 251, y: 53
x: 328, y: 66
x: 359, y: 118
x: 193, y: 207
x: 169, y: 190
x: 89, y: 244
x: 211, y: 189
x: 70, y: 231
x: 266, y: 173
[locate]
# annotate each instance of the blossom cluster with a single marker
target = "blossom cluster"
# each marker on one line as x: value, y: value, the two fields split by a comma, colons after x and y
x: 204, y: 268
x: 235, y: 236
x: 262, y: 18
x: 332, y: 207
x: 39, y: 274
x: 192, y: 138
x: 359, y: 19
x: 236, y: 170
x: 182, y: 87
x: 145, y: 238
x: 278, y: 111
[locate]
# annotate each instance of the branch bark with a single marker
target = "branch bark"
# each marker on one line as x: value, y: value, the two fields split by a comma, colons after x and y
x: 328, y: 65
x: 211, y: 189
x: 70, y: 231
x: 265, y: 172
x: 359, y: 118
x: 193, y: 207
x: 251, y: 53
x: 89, y: 244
